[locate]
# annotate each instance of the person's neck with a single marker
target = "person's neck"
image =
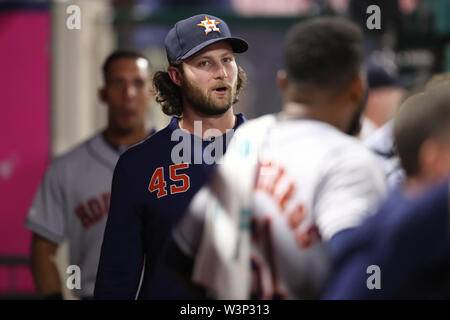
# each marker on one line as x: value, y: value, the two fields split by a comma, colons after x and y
x: 197, y: 124
x: 318, y: 112
x: 118, y: 138
x: 296, y: 110
x: 416, y: 184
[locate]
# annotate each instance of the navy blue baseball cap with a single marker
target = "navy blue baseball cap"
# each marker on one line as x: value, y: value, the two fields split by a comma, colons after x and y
x: 189, y: 36
x: 381, y: 75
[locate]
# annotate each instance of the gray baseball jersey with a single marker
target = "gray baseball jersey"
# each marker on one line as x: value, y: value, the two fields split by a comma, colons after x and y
x: 73, y: 202
x: 381, y: 142
x: 304, y: 182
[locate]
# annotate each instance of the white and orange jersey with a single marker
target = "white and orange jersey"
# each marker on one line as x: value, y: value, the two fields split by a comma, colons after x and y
x: 296, y: 183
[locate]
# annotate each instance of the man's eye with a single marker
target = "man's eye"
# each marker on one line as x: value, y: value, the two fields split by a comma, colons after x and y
x: 227, y: 59
x: 117, y: 82
x: 204, y: 63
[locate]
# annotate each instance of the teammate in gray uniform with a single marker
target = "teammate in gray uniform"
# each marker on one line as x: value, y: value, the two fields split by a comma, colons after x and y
x: 381, y: 142
x: 73, y: 199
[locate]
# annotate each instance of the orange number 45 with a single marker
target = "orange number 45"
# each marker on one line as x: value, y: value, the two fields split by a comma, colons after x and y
x: 157, y: 182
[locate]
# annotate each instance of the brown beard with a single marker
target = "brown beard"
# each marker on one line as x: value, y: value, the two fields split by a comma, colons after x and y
x: 204, y: 104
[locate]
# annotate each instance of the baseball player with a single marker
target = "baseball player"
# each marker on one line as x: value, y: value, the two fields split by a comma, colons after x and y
x: 73, y: 199
x: 151, y: 190
x: 381, y: 142
x: 290, y: 182
x: 386, y: 92
x: 408, y: 239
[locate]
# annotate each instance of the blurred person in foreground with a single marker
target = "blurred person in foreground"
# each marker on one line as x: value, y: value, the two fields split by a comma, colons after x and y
x: 73, y: 200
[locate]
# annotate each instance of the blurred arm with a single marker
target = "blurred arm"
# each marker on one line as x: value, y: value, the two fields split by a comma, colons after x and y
x: 44, y: 270
x: 122, y: 253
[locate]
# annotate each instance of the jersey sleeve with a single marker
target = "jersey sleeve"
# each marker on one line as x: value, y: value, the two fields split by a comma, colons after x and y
x: 122, y: 257
x: 350, y: 190
x: 47, y: 216
x: 187, y: 234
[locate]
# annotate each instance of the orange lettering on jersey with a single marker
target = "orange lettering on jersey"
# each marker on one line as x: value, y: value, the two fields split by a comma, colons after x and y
x: 83, y: 215
x: 93, y: 210
x: 258, y: 183
x: 280, y: 173
x: 157, y: 183
x: 305, y: 237
x: 296, y: 216
x: 268, y: 177
x: 287, y: 196
x: 95, y: 207
x: 184, y: 178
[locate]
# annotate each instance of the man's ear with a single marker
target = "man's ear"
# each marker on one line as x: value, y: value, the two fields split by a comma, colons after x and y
x: 282, y: 80
x: 357, y: 88
x: 430, y: 157
x: 102, y: 94
x: 175, y: 75
x: 151, y: 92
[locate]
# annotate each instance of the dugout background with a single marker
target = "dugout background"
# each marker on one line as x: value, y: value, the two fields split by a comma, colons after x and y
x: 50, y: 76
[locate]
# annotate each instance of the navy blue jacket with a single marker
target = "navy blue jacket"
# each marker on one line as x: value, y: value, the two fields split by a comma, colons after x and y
x: 408, y: 239
x: 148, y: 197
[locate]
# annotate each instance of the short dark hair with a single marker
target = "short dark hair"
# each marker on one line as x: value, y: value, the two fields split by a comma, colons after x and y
x: 421, y: 117
x: 437, y: 80
x: 168, y: 94
x: 119, y: 54
x: 324, y: 52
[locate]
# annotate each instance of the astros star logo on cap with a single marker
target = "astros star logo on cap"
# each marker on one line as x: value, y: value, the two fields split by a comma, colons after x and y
x: 209, y: 25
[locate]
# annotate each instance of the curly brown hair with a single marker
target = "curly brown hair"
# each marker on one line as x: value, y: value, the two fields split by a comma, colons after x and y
x: 168, y: 94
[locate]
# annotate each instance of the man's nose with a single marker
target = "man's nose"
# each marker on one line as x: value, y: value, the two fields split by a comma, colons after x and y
x: 221, y: 72
x: 130, y: 91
